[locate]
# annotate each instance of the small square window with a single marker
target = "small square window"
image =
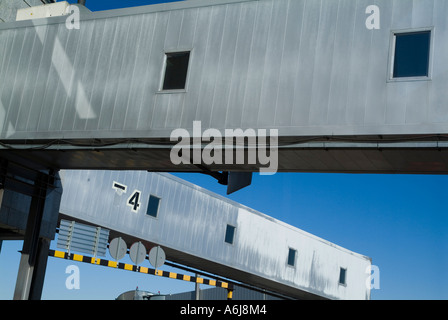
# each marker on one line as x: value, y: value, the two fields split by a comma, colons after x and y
x: 230, y: 233
x: 292, y: 257
x: 176, y: 67
x: 153, y: 206
x: 343, y: 276
x: 411, y: 57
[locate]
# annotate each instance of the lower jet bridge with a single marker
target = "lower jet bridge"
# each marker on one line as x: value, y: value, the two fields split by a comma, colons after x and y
x: 206, y: 231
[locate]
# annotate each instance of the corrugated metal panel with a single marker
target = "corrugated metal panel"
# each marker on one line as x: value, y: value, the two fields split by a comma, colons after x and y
x: 79, y: 237
x: 304, y: 66
x: 191, y: 226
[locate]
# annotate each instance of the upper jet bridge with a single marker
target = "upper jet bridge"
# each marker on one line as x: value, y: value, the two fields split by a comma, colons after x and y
x: 344, y: 97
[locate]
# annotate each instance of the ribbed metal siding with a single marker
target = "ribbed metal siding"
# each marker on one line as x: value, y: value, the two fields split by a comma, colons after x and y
x: 303, y: 66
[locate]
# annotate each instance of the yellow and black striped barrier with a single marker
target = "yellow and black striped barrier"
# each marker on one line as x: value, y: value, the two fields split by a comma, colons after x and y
x: 140, y: 269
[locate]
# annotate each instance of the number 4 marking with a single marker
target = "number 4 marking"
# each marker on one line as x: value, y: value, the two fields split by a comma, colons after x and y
x: 134, y: 201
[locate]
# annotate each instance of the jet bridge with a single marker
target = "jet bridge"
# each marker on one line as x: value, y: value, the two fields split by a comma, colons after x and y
x: 110, y: 94
x: 205, y: 231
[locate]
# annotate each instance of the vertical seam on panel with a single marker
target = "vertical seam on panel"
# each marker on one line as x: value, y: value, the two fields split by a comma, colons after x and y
x: 15, y: 78
x: 160, y: 73
x: 332, y: 65
x: 202, y: 70
x: 123, y: 58
x: 351, y: 64
x: 264, y: 62
x: 294, y: 97
x: 285, y: 31
x: 105, y: 80
x: 233, y: 65
x: 95, y: 27
x: 189, y: 67
x: 142, y: 94
x: 133, y: 71
x: 37, y: 76
x: 249, y: 62
x: 26, y: 80
x: 167, y: 106
x: 313, y: 73
x: 74, y: 76
x: 218, y: 66
x: 41, y: 107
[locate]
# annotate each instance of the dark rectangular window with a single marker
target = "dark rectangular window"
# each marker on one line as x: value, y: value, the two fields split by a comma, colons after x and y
x: 291, y: 257
x: 411, y: 56
x: 230, y: 233
x: 176, y: 67
x: 342, y: 276
x: 153, y: 206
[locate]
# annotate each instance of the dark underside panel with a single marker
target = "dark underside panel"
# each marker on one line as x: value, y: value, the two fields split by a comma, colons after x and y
x: 405, y: 156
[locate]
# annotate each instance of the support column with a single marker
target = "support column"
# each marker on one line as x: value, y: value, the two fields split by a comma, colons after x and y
x: 24, y: 277
x: 1, y: 200
x: 40, y: 267
x: 31, y: 242
x: 197, y: 289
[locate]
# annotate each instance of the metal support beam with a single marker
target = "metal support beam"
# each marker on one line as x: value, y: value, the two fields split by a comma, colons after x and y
x: 31, y: 244
x: 197, y: 290
x: 40, y: 267
x: 44, y: 188
x: 22, y: 179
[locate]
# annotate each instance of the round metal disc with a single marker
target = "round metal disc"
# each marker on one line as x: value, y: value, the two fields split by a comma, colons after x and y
x: 157, y: 257
x: 117, y: 248
x: 137, y: 253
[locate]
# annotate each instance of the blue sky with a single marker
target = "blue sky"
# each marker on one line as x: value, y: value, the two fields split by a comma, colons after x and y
x: 99, y: 5
x: 400, y: 221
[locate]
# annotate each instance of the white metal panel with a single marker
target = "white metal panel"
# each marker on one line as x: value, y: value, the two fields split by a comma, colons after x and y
x: 308, y: 67
x: 43, y: 11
